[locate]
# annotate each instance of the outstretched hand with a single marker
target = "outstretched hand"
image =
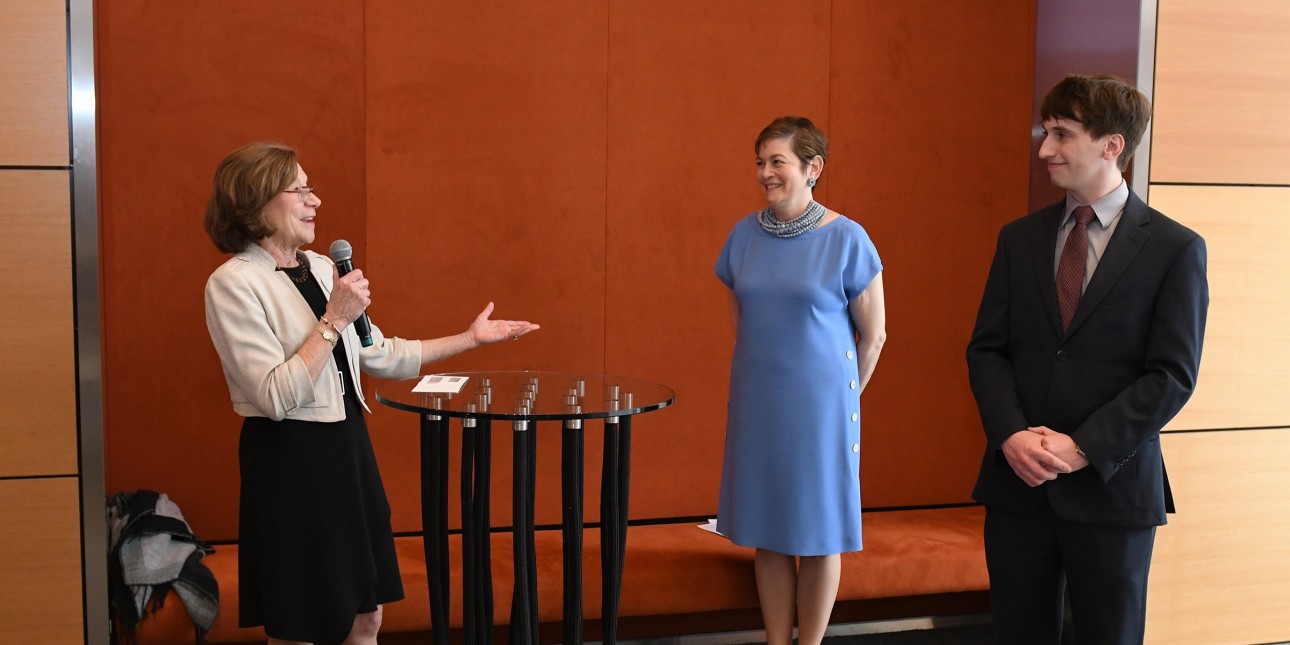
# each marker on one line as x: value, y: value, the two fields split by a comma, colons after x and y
x: 484, y: 331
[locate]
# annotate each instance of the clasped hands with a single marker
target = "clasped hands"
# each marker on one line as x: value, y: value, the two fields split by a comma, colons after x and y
x: 1040, y: 454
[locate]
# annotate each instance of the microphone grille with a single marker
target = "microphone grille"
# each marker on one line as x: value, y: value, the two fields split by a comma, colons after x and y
x: 341, y: 251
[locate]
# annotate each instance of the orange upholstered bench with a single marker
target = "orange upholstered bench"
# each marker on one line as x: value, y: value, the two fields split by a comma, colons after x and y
x: 676, y: 579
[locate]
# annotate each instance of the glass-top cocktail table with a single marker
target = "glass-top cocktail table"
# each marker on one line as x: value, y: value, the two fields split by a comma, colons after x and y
x: 523, y: 398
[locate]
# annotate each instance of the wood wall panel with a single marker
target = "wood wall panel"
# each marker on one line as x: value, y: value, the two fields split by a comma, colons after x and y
x: 1245, y: 366
x: 1220, y: 569
x: 38, y: 382
x: 40, y: 571
x: 33, y: 83
x: 1221, y: 564
x: 179, y: 87
x: 1222, y: 84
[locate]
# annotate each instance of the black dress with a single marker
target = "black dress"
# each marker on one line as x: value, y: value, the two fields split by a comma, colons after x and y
x: 315, y: 543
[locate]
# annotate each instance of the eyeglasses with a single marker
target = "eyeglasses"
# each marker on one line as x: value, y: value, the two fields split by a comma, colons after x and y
x: 302, y: 192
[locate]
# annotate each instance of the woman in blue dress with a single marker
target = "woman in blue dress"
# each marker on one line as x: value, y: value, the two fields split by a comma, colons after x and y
x: 807, y: 305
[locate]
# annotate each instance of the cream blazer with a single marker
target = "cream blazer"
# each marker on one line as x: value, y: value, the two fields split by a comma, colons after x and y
x: 257, y: 321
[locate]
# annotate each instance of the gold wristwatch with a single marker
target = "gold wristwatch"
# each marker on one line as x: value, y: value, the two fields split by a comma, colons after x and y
x: 329, y: 335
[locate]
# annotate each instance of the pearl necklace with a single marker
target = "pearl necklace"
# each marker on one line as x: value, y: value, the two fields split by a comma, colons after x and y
x: 809, y: 219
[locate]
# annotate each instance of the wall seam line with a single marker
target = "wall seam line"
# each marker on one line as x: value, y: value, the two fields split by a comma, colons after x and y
x: 604, y: 317
x: 1215, y: 184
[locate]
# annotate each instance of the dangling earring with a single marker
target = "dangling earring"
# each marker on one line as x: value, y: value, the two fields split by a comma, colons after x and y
x: 810, y: 182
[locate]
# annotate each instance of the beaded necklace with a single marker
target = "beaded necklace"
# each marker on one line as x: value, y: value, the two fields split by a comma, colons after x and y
x: 299, y: 274
x: 809, y: 219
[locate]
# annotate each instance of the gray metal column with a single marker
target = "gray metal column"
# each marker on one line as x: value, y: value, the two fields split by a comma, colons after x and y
x: 89, y: 375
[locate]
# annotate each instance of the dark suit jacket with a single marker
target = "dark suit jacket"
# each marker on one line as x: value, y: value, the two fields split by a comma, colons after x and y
x: 1124, y: 368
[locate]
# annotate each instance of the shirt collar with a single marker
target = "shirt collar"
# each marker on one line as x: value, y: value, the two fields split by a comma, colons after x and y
x: 256, y: 254
x: 259, y: 256
x: 1107, y: 208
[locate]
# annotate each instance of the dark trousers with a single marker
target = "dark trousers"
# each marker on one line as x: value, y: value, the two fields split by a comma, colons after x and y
x: 1034, y: 558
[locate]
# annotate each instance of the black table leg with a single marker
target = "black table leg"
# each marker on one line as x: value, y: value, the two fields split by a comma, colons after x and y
x: 434, y: 520
x: 609, y: 531
x: 615, y: 473
x: 624, y: 477
x: 469, y: 552
x: 520, y: 556
x: 483, y: 544
x: 476, y: 567
x: 571, y: 496
x: 523, y: 602
x: 529, y: 537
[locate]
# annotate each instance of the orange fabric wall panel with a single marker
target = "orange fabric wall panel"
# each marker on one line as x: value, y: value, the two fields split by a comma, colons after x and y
x: 180, y: 86
x: 691, y: 85
x: 486, y: 181
x: 580, y: 165
x: 918, y: 130
x: 930, y: 128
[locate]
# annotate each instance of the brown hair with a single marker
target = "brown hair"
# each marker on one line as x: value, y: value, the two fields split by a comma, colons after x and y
x: 1103, y: 105
x: 804, y: 138
x: 245, y: 181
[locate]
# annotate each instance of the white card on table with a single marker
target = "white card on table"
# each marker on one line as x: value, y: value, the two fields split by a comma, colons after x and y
x: 440, y: 383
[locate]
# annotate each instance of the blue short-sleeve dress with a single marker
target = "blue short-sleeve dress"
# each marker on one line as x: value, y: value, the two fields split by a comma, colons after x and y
x: 790, y: 481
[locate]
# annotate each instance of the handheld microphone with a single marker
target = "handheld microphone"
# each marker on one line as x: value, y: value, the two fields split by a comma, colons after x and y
x: 342, y: 254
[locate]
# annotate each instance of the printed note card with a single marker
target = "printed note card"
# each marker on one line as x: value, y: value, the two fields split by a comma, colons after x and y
x: 440, y: 383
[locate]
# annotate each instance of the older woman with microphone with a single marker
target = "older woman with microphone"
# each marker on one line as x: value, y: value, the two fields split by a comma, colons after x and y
x: 316, y: 549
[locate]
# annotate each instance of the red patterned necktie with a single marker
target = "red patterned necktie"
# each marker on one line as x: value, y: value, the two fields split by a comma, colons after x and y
x: 1070, y: 270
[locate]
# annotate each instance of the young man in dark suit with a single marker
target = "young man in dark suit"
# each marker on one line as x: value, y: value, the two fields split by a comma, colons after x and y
x: 1086, y: 344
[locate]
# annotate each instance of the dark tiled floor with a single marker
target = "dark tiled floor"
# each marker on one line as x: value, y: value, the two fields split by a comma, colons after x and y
x: 965, y: 635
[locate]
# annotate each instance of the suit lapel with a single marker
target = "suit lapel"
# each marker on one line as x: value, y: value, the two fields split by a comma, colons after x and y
x: 1043, y: 244
x: 1129, y: 236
